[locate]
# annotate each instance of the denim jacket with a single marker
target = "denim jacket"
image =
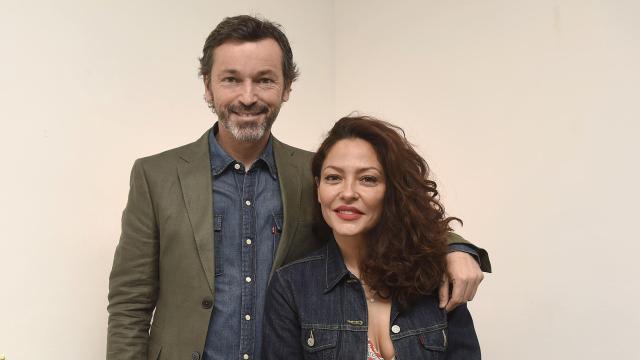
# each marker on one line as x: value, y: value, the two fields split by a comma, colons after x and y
x: 316, y: 309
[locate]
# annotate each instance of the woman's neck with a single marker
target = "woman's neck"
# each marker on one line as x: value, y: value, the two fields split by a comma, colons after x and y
x: 353, y: 251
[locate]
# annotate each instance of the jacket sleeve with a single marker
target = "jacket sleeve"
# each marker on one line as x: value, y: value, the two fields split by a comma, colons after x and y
x: 485, y: 263
x: 461, y: 336
x: 133, y: 284
x: 281, y: 326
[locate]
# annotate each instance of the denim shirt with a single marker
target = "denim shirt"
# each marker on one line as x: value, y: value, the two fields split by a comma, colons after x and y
x: 316, y: 309
x: 247, y: 225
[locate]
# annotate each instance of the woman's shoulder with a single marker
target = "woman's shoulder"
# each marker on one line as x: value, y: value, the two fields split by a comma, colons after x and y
x: 312, y: 261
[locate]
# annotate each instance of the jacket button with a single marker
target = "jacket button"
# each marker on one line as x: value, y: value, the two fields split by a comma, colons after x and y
x: 206, y: 304
x: 395, y: 329
x: 195, y: 355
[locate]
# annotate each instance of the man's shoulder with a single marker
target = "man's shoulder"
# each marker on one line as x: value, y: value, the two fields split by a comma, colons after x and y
x: 295, y: 154
x: 185, y: 153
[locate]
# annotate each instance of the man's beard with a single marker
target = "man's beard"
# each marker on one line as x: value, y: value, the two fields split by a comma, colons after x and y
x: 248, y: 131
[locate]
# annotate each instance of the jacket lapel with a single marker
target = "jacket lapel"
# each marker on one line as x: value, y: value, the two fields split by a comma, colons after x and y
x: 194, y: 172
x: 290, y: 187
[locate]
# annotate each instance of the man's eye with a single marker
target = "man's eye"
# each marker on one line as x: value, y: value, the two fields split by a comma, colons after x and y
x: 230, y: 79
x: 266, y: 81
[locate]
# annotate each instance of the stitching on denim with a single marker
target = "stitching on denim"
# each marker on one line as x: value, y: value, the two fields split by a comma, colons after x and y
x: 337, y: 327
x: 429, y: 329
x: 299, y: 261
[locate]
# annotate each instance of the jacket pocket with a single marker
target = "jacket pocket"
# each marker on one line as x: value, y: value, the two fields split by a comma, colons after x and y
x: 217, y: 244
x: 423, y: 344
x: 319, y: 344
x: 434, y: 340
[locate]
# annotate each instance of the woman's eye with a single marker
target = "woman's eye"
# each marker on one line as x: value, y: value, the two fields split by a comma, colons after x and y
x: 369, y: 180
x: 331, y: 178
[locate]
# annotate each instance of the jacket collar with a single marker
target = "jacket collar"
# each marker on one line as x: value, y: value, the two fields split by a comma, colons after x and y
x: 335, y: 268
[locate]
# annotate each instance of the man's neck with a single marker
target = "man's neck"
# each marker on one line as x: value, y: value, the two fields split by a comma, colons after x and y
x: 245, y: 152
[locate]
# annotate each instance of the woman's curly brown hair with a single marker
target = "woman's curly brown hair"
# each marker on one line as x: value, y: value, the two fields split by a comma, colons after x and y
x: 407, y: 248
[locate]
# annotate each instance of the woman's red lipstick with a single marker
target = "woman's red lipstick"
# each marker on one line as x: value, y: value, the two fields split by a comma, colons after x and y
x: 348, y: 213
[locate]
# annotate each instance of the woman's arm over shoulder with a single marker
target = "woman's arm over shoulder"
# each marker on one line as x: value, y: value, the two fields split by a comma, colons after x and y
x: 461, y: 337
x: 281, y: 326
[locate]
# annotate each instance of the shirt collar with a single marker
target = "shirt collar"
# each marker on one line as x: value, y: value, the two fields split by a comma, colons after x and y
x: 220, y: 159
x: 335, y: 268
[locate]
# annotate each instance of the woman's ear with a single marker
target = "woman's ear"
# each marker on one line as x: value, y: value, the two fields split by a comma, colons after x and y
x: 317, y: 181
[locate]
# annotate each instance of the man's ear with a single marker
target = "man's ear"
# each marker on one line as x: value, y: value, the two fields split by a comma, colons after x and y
x: 285, y: 93
x: 208, y: 95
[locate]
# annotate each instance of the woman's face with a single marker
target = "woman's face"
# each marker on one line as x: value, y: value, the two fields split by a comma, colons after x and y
x: 351, y: 188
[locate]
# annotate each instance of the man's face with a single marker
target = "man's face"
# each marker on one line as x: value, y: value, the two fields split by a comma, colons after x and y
x: 247, y: 87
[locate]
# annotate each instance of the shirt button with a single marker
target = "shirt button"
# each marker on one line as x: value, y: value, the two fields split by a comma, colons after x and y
x: 248, y: 203
x: 236, y: 166
x: 195, y: 355
x: 247, y: 279
x: 245, y: 356
x: 395, y: 329
x: 247, y: 317
x: 248, y: 241
x: 207, y: 303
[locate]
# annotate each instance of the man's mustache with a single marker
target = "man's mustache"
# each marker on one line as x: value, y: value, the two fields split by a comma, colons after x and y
x: 255, y: 108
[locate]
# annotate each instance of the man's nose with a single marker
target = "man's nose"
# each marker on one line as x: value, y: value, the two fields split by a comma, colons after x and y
x: 248, y: 96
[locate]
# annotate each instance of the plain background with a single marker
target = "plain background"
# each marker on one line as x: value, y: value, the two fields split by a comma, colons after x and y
x: 527, y: 112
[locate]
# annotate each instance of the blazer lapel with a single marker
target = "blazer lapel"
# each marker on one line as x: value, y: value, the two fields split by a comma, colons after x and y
x: 194, y: 173
x: 290, y: 187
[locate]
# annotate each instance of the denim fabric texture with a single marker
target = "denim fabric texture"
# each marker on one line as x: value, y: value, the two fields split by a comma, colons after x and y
x: 316, y: 309
x: 247, y: 227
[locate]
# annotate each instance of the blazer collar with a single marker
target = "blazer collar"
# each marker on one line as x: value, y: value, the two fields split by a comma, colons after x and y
x: 289, y: 175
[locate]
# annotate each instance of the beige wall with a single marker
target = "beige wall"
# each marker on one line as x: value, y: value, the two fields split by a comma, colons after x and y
x: 87, y: 87
x: 524, y: 109
x: 528, y: 113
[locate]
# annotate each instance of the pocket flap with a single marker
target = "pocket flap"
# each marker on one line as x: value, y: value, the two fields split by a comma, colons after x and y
x: 217, y: 223
x: 319, y: 339
x: 434, y: 340
x: 277, y: 221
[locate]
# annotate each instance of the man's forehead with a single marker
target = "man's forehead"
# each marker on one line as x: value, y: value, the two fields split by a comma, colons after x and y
x: 261, y: 55
x: 265, y: 49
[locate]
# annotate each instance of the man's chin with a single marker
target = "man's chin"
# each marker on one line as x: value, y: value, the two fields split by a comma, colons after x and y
x: 246, y: 132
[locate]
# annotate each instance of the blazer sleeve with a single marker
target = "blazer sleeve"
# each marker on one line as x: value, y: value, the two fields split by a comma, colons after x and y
x: 485, y: 263
x: 133, y: 283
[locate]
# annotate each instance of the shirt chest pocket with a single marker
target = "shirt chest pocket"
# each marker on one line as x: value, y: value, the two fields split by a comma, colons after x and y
x: 217, y: 244
x: 319, y: 344
x: 276, y: 231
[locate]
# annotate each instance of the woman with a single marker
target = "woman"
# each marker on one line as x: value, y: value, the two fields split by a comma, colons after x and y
x: 373, y: 289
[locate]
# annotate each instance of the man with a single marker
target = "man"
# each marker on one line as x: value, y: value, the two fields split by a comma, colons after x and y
x: 205, y: 224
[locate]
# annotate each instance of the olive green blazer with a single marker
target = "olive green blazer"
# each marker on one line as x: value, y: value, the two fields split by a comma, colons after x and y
x: 164, y: 260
